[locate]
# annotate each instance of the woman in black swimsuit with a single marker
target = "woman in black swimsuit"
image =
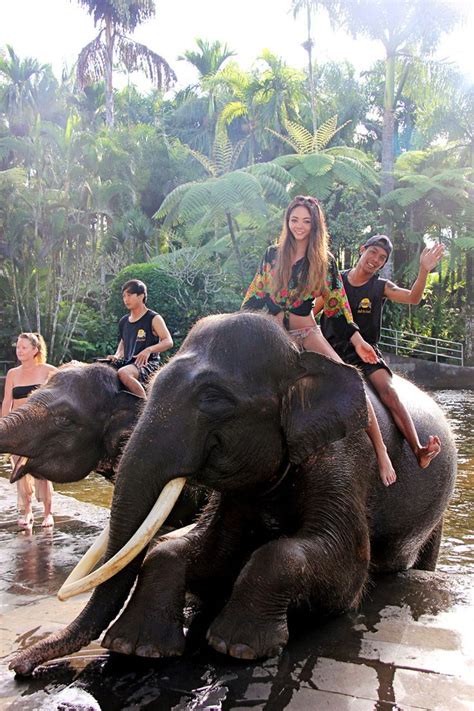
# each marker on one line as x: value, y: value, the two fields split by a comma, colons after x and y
x: 32, y: 372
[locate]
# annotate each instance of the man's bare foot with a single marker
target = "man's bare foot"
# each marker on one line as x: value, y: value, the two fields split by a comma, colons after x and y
x: 48, y: 521
x: 386, y: 471
x: 425, y: 455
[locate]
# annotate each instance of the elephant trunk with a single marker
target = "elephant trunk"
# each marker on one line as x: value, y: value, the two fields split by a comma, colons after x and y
x: 14, y: 429
x: 134, y: 498
x: 104, y: 604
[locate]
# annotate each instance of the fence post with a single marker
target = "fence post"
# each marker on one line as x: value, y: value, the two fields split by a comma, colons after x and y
x: 396, y: 342
x: 436, y: 350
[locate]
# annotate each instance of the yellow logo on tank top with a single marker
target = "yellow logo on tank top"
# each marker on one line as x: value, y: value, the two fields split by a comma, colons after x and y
x: 365, y: 306
x: 141, y: 335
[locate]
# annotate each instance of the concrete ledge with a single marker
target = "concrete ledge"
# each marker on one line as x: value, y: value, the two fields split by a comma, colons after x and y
x: 432, y: 375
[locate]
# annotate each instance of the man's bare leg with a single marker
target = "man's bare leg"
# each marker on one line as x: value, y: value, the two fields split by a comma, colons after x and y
x: 316, y: 342
x: 129, y: 377
x: 383, y: 383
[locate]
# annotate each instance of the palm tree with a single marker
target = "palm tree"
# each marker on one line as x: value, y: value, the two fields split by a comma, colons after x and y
x: 18, y: 96
x: 269, y: 96
x: 308, y: 44
x: 315, y: 168
x: 210, y: 57
x: 226, y: 194
x: 406, y: 28
x: 115, y: 17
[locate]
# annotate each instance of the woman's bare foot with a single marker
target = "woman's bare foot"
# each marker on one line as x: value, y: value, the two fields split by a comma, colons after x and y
x: 426, y: 454
x: 26, y: 519
x: 386, y: 470
x: 48, y: 521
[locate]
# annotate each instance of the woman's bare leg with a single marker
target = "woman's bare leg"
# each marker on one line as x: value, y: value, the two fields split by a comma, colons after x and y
x: 316, y: 342
x: 24, y: 489
x: 44, y: 493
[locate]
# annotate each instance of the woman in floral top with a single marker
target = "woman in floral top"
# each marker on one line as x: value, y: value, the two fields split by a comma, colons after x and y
x: 291, y: 276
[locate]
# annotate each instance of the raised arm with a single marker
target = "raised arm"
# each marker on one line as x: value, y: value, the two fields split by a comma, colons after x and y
x: 429, y: 258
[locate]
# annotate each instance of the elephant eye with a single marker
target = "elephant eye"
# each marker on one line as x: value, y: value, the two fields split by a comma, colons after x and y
x: 63, y: 422
x: 213, y: 401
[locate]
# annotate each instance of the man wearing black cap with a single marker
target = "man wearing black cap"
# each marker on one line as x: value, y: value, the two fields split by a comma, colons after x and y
x: 366, y: 292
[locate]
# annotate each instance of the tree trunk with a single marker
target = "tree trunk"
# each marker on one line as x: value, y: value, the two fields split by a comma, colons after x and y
x: 235, y: 245
x: 308, y: 45
x: 388, y: 182
x: 109, y: 89
x: 388, y: 127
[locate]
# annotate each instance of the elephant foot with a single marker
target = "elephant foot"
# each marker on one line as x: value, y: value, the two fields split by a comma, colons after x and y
x: 152, y: 640
x: 248, y: 639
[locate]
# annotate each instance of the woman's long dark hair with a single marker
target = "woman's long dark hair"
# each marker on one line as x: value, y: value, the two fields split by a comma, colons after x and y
x: 313, y: 274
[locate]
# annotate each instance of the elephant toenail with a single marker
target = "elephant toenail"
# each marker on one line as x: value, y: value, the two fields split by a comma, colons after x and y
x: 242, y: 651
x: 147, y: 650
x: 218, y: 644
x: 275, y: 651
x: 117, y: 644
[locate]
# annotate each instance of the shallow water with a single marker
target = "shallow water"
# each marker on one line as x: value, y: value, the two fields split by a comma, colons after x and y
x: 457, y: 551
x: 457, y: 548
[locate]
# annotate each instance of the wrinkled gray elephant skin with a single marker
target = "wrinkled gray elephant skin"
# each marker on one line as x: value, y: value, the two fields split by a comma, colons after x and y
x: 298, y: 512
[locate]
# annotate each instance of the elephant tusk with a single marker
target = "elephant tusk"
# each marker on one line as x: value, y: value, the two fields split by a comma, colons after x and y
x: 17, y: 468
x: 89, y: 559
x: 130, y: 550
x: 98, y: 548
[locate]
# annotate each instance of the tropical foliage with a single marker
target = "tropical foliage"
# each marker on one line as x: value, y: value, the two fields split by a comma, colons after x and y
x: 186, y: 189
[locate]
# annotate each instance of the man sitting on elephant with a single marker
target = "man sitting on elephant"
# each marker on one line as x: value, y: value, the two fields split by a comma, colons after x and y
x: 143, y: 336
x: 366, y: 292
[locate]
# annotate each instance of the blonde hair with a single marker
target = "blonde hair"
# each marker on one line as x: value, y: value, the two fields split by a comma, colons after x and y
x: 37, y: 341
x: 313, y: 274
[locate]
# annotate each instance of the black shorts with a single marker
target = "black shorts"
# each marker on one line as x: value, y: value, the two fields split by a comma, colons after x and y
x: 351, y: 357
x: 144, y: 373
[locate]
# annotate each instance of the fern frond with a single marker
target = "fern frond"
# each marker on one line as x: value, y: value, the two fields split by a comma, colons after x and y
x: 300, y: 136
x: 206, y: 162
x: 172, y: 200
x: 222, y: 152
x: 326, y: 132
x: 283, y: 138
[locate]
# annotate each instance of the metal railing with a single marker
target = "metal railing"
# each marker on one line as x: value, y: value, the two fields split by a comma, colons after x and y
x: 417, y: 346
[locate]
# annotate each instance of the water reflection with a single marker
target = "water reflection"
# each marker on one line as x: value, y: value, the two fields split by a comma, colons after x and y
x: 457, y: 552
x: 457, y: 548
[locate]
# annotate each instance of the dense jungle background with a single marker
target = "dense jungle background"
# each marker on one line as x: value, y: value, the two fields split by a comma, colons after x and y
x: 185, y: 188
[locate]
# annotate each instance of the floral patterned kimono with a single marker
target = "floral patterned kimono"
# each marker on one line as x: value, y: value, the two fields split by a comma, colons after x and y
x: 336, y: 305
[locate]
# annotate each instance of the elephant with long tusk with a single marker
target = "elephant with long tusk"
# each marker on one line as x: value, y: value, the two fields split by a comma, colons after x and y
x: 297, y: 513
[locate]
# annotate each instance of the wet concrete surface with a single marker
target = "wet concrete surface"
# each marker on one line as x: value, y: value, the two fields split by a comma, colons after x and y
x: 409, y: 646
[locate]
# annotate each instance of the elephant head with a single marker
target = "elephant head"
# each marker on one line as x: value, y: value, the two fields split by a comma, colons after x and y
x: 229, y: 411
x: 75, y: 423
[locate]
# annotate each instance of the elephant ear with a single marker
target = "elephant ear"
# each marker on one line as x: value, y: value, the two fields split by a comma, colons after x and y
x: 126, y: 408
x: 324, y: 402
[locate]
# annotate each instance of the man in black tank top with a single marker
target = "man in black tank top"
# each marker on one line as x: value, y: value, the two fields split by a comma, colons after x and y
x: 143, y: 335
x: 366, y: 292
